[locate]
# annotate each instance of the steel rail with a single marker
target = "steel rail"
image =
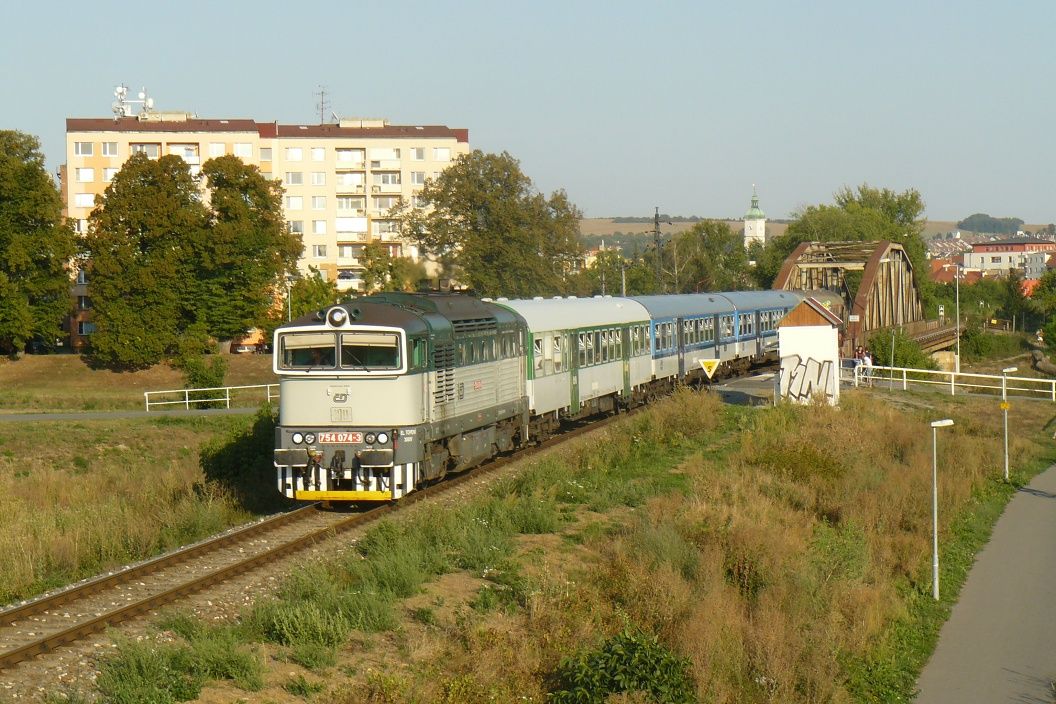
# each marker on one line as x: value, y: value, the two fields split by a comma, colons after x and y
x: 49, y: 643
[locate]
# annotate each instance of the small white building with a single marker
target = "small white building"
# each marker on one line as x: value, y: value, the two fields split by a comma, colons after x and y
x: 809, y: 345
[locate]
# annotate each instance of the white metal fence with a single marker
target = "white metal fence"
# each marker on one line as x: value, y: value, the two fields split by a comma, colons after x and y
x: 904, y: 378
x: 194, y: 398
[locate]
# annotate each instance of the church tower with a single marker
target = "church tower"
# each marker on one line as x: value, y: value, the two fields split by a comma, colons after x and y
x: 754, y: 222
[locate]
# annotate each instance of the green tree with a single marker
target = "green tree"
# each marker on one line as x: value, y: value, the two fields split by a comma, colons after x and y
x: 866, y: 215
x: 305, y: 295
x: 35, y: 247
x: 140, y: 249
x: 708, y: 257
x: 506, y: 238
x: 384, y: 272
x: 1015, y: 303
x: 245, y: 247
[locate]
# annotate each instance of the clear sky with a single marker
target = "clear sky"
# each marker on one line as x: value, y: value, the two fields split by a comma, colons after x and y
x: 625, y: 105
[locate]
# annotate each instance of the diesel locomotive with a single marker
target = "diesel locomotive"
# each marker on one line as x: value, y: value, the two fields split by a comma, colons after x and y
x: 385, y: 392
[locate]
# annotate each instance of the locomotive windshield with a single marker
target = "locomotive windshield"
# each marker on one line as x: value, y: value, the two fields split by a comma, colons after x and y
x: 359, y: 351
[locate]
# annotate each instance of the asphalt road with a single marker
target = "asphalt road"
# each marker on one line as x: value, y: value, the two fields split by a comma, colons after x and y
x: 999, y: 644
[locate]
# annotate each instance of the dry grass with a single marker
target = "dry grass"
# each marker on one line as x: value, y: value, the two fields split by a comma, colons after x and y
x: 87, y: 496
x: 42, y: 383
x: 788, y: 557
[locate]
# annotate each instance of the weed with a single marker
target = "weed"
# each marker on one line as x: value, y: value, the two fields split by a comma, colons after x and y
x: 424, y: 615
x: 300, y: 686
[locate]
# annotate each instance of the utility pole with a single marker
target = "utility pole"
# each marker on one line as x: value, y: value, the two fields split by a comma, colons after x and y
x: 656, y: 243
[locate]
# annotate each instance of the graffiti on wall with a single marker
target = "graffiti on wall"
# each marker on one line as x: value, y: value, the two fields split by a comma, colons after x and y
x: 804, y: 379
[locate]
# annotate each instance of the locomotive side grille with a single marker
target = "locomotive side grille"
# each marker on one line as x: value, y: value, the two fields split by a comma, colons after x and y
x: 468, y: 325
x: 444, y: 362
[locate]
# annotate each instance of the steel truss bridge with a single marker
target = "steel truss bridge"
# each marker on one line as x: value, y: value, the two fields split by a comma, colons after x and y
x: 874, y: 281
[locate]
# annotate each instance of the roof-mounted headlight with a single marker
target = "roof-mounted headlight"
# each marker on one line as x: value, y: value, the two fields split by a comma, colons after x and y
x: 337, y: 317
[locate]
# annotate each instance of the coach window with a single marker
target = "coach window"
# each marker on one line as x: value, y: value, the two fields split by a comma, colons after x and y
x: 582, y: 344
x: 537, y: 353
x: 370, y: 350
x: 419, y: 354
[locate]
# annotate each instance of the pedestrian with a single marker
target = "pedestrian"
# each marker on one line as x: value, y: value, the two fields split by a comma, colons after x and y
x: 867, y: 365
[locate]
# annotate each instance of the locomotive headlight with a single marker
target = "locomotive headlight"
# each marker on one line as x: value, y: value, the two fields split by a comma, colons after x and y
x: 309, y: 438
x: 383, y: 438
x: 297, y: 438
x: 337, y: 317
x: 369, y: 438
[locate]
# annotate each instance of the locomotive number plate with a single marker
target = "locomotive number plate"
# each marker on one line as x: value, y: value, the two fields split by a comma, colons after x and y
x: 341, y: 437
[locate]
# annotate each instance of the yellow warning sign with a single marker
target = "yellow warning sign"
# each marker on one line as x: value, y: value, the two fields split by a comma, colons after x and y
x: 1005, y: 405
x: 709, y: 366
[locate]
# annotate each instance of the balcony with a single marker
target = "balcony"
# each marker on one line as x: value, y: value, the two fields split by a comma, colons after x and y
x: 387, y: 188
x: 349, y: 187
x: 388, y: 236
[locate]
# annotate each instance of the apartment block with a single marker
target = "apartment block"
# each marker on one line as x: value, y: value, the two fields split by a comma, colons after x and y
x: 340, y: 180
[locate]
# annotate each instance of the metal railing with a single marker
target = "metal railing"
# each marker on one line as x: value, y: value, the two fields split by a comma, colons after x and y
x: 217, y: 394
x: 904, y: 378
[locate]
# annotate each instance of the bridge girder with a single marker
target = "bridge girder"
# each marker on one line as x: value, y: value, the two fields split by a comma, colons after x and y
x: 885, y: 296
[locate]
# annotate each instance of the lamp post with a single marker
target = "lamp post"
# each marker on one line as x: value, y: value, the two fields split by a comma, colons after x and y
x: 935, y: 425
x: 1004, y: 408
x: 957, y: 303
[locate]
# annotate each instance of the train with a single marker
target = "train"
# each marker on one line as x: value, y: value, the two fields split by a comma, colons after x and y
x: 387, y: 392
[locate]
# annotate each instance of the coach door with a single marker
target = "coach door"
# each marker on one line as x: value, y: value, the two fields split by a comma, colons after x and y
x: 679, y: 340
x: 625, y: 347
x: 576, y: 356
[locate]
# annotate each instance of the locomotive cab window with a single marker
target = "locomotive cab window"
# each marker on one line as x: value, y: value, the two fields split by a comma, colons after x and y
x: 308, y: 350
x: 370, y: 350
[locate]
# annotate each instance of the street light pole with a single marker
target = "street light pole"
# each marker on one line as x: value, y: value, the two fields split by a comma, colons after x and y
x: 1004, y: 408
x: 935, y: 425
x: 957, y: 289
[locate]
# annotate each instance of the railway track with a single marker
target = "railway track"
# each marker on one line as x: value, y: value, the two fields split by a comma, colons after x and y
x: 43, y: 625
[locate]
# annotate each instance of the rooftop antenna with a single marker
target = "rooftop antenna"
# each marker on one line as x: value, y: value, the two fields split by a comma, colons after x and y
x: 122, y: 105
x: 323, y: 104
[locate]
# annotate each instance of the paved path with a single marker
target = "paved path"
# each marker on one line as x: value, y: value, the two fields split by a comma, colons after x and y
x: 999, y: 644
x: 107, y: 415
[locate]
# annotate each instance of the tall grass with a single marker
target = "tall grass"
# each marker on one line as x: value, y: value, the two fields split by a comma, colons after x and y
x: 781, y: 554
x: 88, y: 496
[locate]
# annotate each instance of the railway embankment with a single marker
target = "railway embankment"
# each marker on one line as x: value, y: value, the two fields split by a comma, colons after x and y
x: 754, y: 554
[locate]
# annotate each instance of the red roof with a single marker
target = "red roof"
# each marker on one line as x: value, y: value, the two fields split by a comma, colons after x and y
x: 265, y: 129
x: 133, y: 124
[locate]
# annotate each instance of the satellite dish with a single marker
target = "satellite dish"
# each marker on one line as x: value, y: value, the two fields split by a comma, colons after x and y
x: 142, y: 95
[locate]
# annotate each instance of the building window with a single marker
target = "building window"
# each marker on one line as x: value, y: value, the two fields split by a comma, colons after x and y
x: 85, y: 328
x: 294, y: 178
x: 85, y: 175
x: 109, y: 173
x: 294, y: 202
x: 441, y: 154
x: 83, y: 148
x: 82, y: 276
x: 418, y: 154
x: 318, y: 227
x: 152, y: 150
x: 350, y: 202
x: 419, y: 201
x: 353, y: 155
x: 294, y: 154
x: 243, y: 150
x: 349, y: 251
x: 384, y: 202
x: 318, y: 178
x: 296, y: 226
x: 318, y: 154
x: 84, y: 200
x: 109, y: 148
x: 418, y: 178
x: 386, y: 226
x: 387, y: 178
x: 318, y: 251
x: 995, y: 260
x: 265, y: 153
x: 84, y: 303
x: 318, y: 202
x: 216, y: 149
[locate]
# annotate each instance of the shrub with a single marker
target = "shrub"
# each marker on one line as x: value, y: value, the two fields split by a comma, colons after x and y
x: 627, y: 662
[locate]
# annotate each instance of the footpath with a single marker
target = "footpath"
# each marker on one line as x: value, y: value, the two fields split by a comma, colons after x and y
x: 999, y: 644
x: 108, y: 415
